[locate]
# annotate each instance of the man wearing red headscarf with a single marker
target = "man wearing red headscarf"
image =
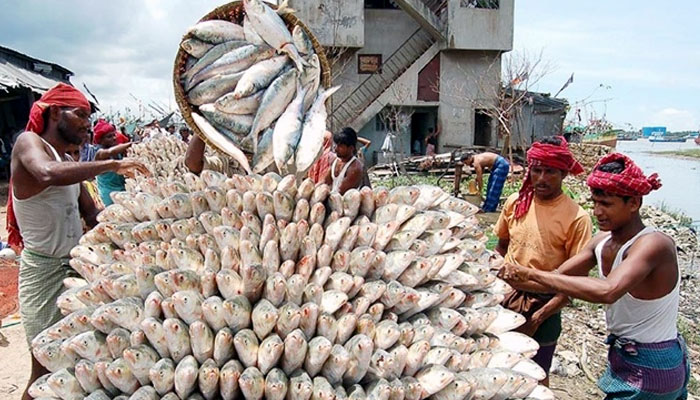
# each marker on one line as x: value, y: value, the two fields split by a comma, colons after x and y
x: 49, y: 200
x: 106, y: 137
x: 639, y: 281
x: 540, y: 228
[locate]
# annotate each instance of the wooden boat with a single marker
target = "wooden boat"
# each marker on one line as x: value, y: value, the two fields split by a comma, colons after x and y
x: 697, y: 140
x: 606, y: 138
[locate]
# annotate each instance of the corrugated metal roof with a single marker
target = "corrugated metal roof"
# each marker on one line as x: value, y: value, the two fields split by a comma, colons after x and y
x: 12, y: 76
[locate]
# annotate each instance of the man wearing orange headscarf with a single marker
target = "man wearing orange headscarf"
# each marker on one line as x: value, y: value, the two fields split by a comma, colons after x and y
x: 48, y: 202
x: 541, y: 227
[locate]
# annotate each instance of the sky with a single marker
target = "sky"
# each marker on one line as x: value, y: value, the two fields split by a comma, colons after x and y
x: 634, y: 62
x: 641, y: 56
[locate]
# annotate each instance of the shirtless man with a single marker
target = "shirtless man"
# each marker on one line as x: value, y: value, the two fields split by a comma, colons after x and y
x: 498, y: 167
x: 639, y: 283
x: 346, y: 171
x: 49, y: 201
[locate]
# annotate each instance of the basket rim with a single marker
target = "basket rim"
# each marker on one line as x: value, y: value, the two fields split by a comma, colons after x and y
x: 221, y: 13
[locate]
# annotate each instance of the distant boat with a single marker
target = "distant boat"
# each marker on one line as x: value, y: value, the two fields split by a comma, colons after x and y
x: 627, y: 136
x: 666, y: 139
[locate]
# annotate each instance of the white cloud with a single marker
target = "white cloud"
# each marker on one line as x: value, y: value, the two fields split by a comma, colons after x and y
x: 675, y: 119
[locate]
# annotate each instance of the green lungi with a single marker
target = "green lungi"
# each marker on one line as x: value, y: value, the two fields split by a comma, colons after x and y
x: 40, y: 283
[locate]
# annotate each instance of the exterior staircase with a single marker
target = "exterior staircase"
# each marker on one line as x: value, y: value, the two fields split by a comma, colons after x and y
x: 373, y: 86
x: 430, y: 14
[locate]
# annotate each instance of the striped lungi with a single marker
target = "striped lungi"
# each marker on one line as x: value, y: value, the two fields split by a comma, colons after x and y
x: 653, y: 371
x: 40, y: 283
x: 497, y: 178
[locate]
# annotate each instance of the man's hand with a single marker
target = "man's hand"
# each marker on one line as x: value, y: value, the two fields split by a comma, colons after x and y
x: 514, y: 274
x: 129, y: 167
x: 122, y: 148
x: 532, y: 325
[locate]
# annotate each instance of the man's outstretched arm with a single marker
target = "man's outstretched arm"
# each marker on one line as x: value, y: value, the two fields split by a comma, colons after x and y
x: 637, y: 266
x: 49, y: 172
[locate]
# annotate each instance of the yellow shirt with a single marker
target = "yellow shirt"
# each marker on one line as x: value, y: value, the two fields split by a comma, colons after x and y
x: 550, y: 233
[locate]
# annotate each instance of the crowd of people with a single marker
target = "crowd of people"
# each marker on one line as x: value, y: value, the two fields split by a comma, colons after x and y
x: 546, y: 239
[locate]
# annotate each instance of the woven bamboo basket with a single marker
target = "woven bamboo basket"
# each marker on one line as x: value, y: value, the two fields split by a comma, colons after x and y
x: 234, y: 12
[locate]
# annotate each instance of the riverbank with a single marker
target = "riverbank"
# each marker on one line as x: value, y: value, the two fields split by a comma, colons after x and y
x: 688, y: 154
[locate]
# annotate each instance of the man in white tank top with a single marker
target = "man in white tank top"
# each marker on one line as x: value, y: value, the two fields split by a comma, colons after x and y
x: 639, y: 282
x: 346, y: 171
x: 49, y: 202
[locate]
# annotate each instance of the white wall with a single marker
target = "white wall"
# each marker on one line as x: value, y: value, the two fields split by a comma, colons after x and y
x: 337, y: 23
x: 480, y: 29
x: 466, y: 77
x: 385, y: 31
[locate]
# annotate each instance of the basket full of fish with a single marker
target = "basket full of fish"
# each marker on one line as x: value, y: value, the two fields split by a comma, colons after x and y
x: 263, y: 287
x: 252, y: 81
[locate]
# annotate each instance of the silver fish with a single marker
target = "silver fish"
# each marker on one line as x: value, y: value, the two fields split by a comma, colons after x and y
x: 210, y: 90
x: 64, y: 384
x: 228, y: 379
x: 275, y: 100
x: 252, y: 383
x: 272, y: 29
x: 276, y: 385
x: 269, y: 353
x: 186, y: 374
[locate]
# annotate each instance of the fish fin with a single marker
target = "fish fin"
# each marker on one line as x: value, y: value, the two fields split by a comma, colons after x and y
x: 284, y: 8
x: 329, y: 92
x: 252, y: 137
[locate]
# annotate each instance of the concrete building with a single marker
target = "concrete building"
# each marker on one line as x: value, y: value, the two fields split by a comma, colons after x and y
x: 436, y: 59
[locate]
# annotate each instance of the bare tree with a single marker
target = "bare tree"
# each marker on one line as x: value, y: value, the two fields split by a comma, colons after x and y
x: 501, y: 91
x: 396, y: 119
x: 339, y: 57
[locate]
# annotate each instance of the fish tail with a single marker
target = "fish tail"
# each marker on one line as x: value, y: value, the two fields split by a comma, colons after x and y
x: 284, y: 8
x: 293, y: 53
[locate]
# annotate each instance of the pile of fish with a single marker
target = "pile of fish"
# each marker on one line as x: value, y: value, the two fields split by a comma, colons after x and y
x: 258, y: 286
x: 256, y: 87
x: 164, y: 157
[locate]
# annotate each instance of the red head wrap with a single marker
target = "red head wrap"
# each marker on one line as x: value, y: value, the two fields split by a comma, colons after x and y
x: 630, y: 182
x: 121, y: 138
x: 546, y: 155
x: 101, y: 129
x: 61, y: 95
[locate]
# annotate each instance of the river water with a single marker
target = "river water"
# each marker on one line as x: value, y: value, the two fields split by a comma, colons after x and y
x: 680, y: 177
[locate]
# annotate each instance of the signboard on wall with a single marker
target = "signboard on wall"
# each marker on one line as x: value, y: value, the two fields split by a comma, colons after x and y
x: 369, y: 63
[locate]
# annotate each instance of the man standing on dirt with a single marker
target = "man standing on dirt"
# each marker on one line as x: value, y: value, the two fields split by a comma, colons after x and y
x: 49, y: 201
x: 541, y: 227
x: 498, y: 167
x: 639, y: 282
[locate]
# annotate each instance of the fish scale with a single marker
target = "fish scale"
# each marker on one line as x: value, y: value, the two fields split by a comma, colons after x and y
x: 315, y: 331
